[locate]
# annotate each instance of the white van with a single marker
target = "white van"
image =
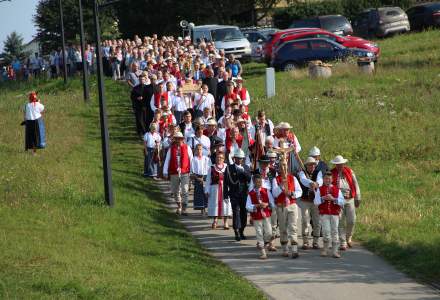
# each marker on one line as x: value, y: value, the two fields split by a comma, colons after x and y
x: 229, y: 38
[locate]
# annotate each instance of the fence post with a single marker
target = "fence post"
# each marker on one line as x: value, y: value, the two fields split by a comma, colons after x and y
x: 270, y: 82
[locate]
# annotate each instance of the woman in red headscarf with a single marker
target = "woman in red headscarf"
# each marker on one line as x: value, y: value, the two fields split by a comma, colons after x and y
x: 32, y: 115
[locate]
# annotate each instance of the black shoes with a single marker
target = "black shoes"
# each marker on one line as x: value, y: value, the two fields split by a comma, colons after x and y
x: 237, y: 235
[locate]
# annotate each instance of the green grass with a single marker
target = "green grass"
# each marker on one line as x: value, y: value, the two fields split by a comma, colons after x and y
x: 57, y: 237
x: 388, y: 126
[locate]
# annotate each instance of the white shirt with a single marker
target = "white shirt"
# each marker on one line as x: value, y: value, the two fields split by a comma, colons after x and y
x: 178, y: 103
x: 204, y: 140
x: 168, y: 157
x: 32, y: 111
x: 188, y: 131
x: 277, y: 190
x: 150, y: 139
x: 263, y: 130
x: 247, y: 100
x: 306, y: 181
x: 202, y: 101
x: 297, y: 146
x: 200, y: 166
x: 317, y: 201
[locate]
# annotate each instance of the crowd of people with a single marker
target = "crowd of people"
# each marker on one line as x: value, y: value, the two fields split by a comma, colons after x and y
x: 191, y: 109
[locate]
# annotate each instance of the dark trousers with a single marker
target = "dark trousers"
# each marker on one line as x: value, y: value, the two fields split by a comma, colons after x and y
x: 179, y: 116
x: 149, y: 163
x: 140, y: 120
x: 239, y: 213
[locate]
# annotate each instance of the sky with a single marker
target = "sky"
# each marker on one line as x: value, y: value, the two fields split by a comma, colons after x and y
x: 17, y: 15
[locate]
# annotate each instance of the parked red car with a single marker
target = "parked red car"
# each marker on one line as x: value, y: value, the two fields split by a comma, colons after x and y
x: 347, y: 41
x: 273, y: 38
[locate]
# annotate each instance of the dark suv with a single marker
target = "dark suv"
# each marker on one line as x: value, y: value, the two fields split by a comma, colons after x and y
x: 334, y: 23
x: 424, y: 16
x: 381, y: 22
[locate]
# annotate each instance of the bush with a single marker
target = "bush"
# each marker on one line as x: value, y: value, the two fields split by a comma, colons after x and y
x: 282, y: 18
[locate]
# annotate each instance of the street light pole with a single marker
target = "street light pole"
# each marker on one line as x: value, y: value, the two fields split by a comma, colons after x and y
x: 106, y: 160
x: 83, y: 51
x: 63, y: 41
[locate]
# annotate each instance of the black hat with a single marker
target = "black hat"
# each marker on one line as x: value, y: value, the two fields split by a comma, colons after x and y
x: 217, y: 142
x: 264, y: 159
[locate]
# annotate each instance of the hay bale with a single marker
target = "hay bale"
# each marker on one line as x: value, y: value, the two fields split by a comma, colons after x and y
x: 318, y: 69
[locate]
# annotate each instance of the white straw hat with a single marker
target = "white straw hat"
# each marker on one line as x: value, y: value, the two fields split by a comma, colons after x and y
x: 178, y: 135
x: 314, y: 151
x: 338, y: 160
x: 239, y: 153
x: 284, y: 125
x: 310, y: 160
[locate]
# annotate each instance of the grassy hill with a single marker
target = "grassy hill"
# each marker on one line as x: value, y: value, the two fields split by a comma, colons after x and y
x: 388, y: 126
x: 59, y: 240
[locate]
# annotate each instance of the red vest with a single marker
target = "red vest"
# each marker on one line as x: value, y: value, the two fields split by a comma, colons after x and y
x: 281, y: 199
x: 230, y: 98
x: 163, y: 124
x: 216, y: 176
x: 258, y: 213
x: 238, y: 139
x: 348, y: 176
x: 241, y: 93
x: 184, y: 160
x: 329, y: 207
x: 157, y: 97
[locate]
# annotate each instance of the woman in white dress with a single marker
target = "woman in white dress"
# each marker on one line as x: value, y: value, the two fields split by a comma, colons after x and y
x: 218, y: 207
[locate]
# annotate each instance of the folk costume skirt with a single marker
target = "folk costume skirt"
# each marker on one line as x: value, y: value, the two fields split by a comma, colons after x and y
x: 200, y: 199
x: 32, y: 134
x: 217, y: 205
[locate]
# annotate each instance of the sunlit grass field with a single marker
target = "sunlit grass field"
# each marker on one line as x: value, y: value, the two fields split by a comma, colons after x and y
x: 58, y: 240
x: 388, y: 126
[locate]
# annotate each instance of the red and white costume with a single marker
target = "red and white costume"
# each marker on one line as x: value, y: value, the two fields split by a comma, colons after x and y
x: 217, y: 205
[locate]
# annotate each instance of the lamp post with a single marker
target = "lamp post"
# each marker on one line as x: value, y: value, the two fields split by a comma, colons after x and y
x: 106, y: 160
x: 63, y: 41
x: 83, y: 51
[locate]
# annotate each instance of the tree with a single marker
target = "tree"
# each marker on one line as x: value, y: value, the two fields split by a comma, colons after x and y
x: 47, y: 19
x: 14, y: 48
x: 145, y: 17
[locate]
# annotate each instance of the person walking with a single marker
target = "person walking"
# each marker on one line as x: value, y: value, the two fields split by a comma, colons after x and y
x: 32, y: 114
x: 344, y: 178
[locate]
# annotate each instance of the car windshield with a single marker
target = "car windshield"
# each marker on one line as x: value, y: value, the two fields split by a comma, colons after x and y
x: 226, y: 34
x: 330, y: 23
x: 267, y: 33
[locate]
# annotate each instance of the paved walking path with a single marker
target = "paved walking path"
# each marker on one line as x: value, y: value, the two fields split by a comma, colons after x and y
x: 358, y: 275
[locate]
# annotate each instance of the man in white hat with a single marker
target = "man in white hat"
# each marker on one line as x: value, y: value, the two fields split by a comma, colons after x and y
x: 344, y: 178
x: 178, y: 165
x: 311, y: 180
x: 286, y: 189
x: 316, y: 154
x: 236, y: 182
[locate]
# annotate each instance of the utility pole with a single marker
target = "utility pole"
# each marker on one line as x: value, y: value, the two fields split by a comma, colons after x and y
x: 63, y: 41
x: 106, y: 160
x: 83, y: 51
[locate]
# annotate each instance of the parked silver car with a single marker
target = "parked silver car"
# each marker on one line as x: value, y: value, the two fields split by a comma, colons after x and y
x: 224, y: 37
x: 257, y: 36
x: 381, y: 22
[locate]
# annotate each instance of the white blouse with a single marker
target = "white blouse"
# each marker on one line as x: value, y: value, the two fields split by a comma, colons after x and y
x: 32, y: 111
x: 151, y: 139
x: 200, y: 165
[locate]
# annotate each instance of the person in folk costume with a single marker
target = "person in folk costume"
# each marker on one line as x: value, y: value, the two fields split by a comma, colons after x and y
x: 200, y: 165
x: 260, y: 204
x: 283, y: 134
x: 187, y: 127
x: 316, y: 154
x: 218, y: 205
x: 245, y: 116
x: 233, y: 142
x: 202, y: 100
x: 178, y: 165
x: 273, y: 157
x: 33, y: 111
x: 226, y: 115
x: 267, y: 175
x: 344, y: 178
x: 236, y: 182
x: 159, y: 98
x: 310, y: 180
x: 242, y: 93
x: 286, y: 189
x: 217, y: 146
x: 166, y: 119
x: 152, y: 141
x: 330, y: 201
x: 138, y: 98
x: 247, y: 142
x: 230, y: 97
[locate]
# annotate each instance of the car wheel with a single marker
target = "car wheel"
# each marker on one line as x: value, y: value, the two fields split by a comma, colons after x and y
x: 289, y: 66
